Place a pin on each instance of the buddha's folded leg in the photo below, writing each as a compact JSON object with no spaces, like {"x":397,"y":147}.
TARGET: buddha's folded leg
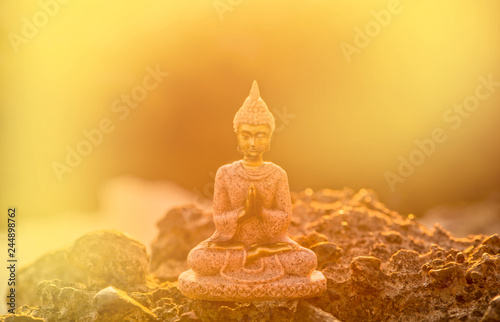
{"x":206,"y":261}
{"x":300,"y":262}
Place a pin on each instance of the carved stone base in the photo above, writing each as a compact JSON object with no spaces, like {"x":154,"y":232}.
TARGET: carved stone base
{"x":216,"y":288}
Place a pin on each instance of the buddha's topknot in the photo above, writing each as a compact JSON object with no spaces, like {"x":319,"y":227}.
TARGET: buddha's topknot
{"x":254,"y":111}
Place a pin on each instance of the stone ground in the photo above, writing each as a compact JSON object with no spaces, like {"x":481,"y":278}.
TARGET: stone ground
{"x":380,"y":266}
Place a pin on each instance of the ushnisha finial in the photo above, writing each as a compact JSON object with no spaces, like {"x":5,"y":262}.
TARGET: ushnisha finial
{"x":254,"y":111}
{"x":254,"y":92}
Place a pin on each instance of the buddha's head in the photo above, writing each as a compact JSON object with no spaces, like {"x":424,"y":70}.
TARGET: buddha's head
{"x":254,"y":125}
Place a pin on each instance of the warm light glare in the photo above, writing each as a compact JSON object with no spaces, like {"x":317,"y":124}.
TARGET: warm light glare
{"x":398,"y":96}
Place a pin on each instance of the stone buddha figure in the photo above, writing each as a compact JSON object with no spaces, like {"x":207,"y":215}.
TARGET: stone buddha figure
{"x":250,"y":256}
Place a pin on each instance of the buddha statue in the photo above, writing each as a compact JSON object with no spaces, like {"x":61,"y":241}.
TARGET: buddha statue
{"x":250,"y":256}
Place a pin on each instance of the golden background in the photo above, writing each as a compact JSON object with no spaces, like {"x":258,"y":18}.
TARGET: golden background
{"x":344,"y":119}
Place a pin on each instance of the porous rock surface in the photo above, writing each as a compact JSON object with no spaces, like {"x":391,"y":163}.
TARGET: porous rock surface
{"x":179,"y":232}
{"x":379,"y":265}
{"x":95,"y":260}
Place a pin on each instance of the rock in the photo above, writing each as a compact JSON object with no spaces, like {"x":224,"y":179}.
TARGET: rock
{"x":307,"y":312}
{"x":62,"y":301}
{"x":48,"y":291}
{"x":405,"y":261}
{"x":110,"y":258}
{"x":366,"y":274}
{"x":392,"y":237}
{"x":493,"y":312}
{"x":50,"y":266}
{"x":180,"y":230}
{"x":167,"y":290}
{"x":189,"y":316}
{"x":96,"y":259}
{"x":446,"y":274}
{"x":74,"y":304}
{"x":141,"y":298}
{"x":429,"y":275}
{"x":437,"y":262}
{"x":166,"y":309}
{"x":310,"y":239}
{"x":487,"y":267}
{"x":327,"y":253}
{"x":21,"y":318}
{"x":493,"y":242}
{"x":265,"y":311}
{"x":115,"y":305}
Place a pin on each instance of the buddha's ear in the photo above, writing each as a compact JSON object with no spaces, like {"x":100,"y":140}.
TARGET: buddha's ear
{"x":271,"y":132}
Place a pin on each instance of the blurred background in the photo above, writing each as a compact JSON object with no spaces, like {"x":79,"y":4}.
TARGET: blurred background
{"x":114,"y":111}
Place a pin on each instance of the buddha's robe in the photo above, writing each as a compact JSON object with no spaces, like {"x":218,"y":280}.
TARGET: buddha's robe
{"x":266,"y":236}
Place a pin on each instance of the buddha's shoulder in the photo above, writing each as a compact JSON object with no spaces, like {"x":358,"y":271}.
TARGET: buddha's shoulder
{"x":226,"y":168}
{"x":277,"y":169}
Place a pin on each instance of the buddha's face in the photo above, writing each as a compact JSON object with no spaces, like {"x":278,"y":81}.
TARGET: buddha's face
{"x":254,"y":140}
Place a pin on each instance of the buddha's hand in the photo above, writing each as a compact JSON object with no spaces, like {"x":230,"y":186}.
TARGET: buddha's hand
{"x":252,"y":207}
{"x":255,"y":202}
